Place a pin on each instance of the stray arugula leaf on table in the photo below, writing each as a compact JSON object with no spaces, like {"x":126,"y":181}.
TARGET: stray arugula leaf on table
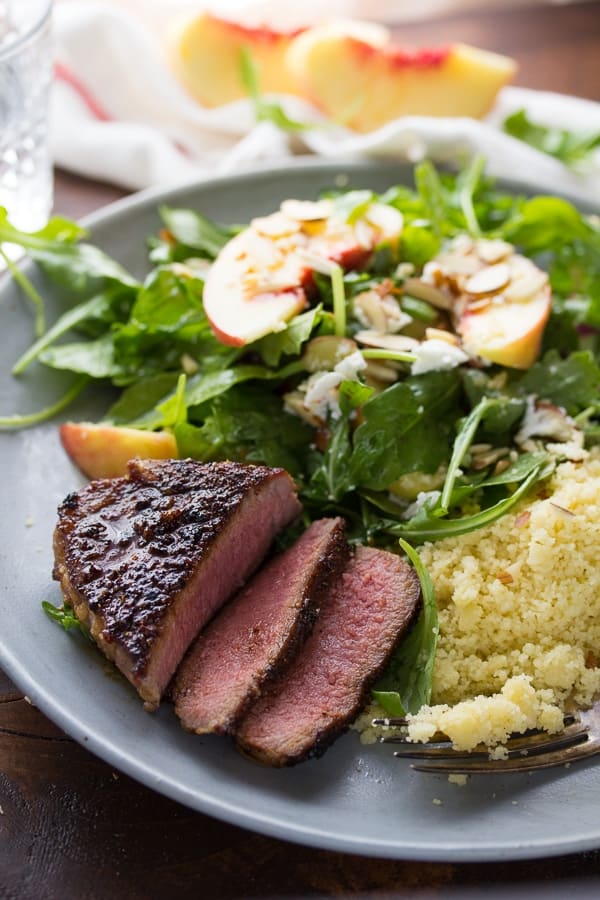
{"x":265,"y":110}
{"x":571,"y":147}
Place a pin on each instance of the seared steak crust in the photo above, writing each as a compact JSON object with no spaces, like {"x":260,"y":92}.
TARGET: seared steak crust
{"x":364,"y":616}
{"x":259,"y":631}
{"x":128,"y":553}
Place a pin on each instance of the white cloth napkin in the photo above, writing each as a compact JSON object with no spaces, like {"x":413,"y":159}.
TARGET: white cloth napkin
{"x":119,"y":115}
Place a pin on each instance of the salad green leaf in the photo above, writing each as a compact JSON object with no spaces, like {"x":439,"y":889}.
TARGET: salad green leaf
{"x":195,"y":232}
{"x":63,"y":616}
{"x":407,"y":428}
{"x":264,"y":110}
{"x":406,"y":685}
{"x":571,"y":147}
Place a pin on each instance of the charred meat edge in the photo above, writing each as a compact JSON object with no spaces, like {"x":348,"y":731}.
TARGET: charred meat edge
{"x":149,"y":660}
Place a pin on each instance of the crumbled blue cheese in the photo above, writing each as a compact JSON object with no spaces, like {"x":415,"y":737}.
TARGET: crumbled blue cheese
{"x":321,"y":397}
{"x":544,"y":420}
{"x":435,"y":355}
{"x":350,"y":366}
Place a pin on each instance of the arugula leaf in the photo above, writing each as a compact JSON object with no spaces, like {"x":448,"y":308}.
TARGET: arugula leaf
{"x":431,"y":192}
{"x":168,"y":301}
{"x":264,"y":110}
{"x":203,"y":387}
{"x":63,"y":616}
{"x":406,"y":685}
{"x":545,"y":224}
{"x":407,"y":428}
{"x":194,"y":231}
{"x":94,"y":358}
{"x":573,"y":383}
{"x":427,"y":526}
{"x":137,"y":406}
{"x":80,"y":267}
{"x":29,"y":290}
{"x":519,"y":470}
{"x":332,"y":479}
{"x":289,"y":341}
{"x":58,"y":230}
{"x":467,"y":183}
{"x":571,"y":147}
{"x":247,"y":424}
{"x":174,"y":409}
{"x":418,"y":245}
{"x":101,"y":307}
{"x":462,"y":442}
{"x":166,"y":321}
{"x":25,"y":420}
{"x":351,"y":205}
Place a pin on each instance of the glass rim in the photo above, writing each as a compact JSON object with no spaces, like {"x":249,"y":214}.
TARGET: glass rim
{"x":29,"y":32}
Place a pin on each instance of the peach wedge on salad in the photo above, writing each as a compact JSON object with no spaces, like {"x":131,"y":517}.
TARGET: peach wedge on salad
{"x":264,"y":275}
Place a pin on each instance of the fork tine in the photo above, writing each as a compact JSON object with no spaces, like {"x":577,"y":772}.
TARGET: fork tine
{"x":518,"y":764}
{"x":517,"y":747}
{"x":401,"y":722}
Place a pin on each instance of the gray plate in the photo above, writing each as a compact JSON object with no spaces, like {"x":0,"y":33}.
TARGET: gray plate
{"x":356,"y":798}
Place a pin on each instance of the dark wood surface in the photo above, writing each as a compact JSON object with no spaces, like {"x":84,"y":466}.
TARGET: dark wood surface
{"x":71,"y":828}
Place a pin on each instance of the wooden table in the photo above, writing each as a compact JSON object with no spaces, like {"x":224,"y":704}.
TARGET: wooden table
{"x":71,"y":828}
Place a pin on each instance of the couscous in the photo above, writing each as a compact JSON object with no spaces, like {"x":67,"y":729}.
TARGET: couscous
{"x":519,"y":619}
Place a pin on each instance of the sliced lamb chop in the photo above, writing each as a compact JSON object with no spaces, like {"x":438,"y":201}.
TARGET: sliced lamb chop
{"x":365,"y":614}
{"x":258,"y":632}
{"x":146,"y":560}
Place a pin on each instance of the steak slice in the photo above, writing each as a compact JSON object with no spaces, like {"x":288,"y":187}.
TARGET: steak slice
{"x":259,"y":631}
{"x":146,"y":560}
{"x":365,"y":614}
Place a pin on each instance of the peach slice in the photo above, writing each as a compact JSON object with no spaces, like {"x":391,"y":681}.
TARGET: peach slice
{"x":264,"y":275}
{"x":364,"y":85}
{"x":204,"y":52}
{"x":505,"y":332}
{"x":103,"y":451}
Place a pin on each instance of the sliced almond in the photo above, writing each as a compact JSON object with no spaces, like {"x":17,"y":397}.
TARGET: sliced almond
{"x":493,"y":251}
{"x":379,"y":371}
{"x":488,"y":280}
{"x":440,"y":334}
{"x":423,"y":291}
{"x":364,"y":234}
{"x":306,"y":210}
{"x":387,"y":219}
{"x":276,"y":225}
{"x":294,"y":403}
{"x":462,"y":244}
{"x":404,"y":270}
{"x":454,"y":264}
{"x":369,"y":311}
{"x":525,"y":283}
{"x":189,"y":365}
{"x":318,"y":263}
{"x":399,"y":342}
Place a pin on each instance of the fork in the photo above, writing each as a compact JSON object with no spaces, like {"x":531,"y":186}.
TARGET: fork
{"x":527,"y":752}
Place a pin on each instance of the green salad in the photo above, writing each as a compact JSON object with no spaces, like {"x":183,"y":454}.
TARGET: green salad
{"x":419,"y":388}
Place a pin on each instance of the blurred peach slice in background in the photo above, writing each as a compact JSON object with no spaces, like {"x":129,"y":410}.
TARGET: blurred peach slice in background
{"x":364,"y":86}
